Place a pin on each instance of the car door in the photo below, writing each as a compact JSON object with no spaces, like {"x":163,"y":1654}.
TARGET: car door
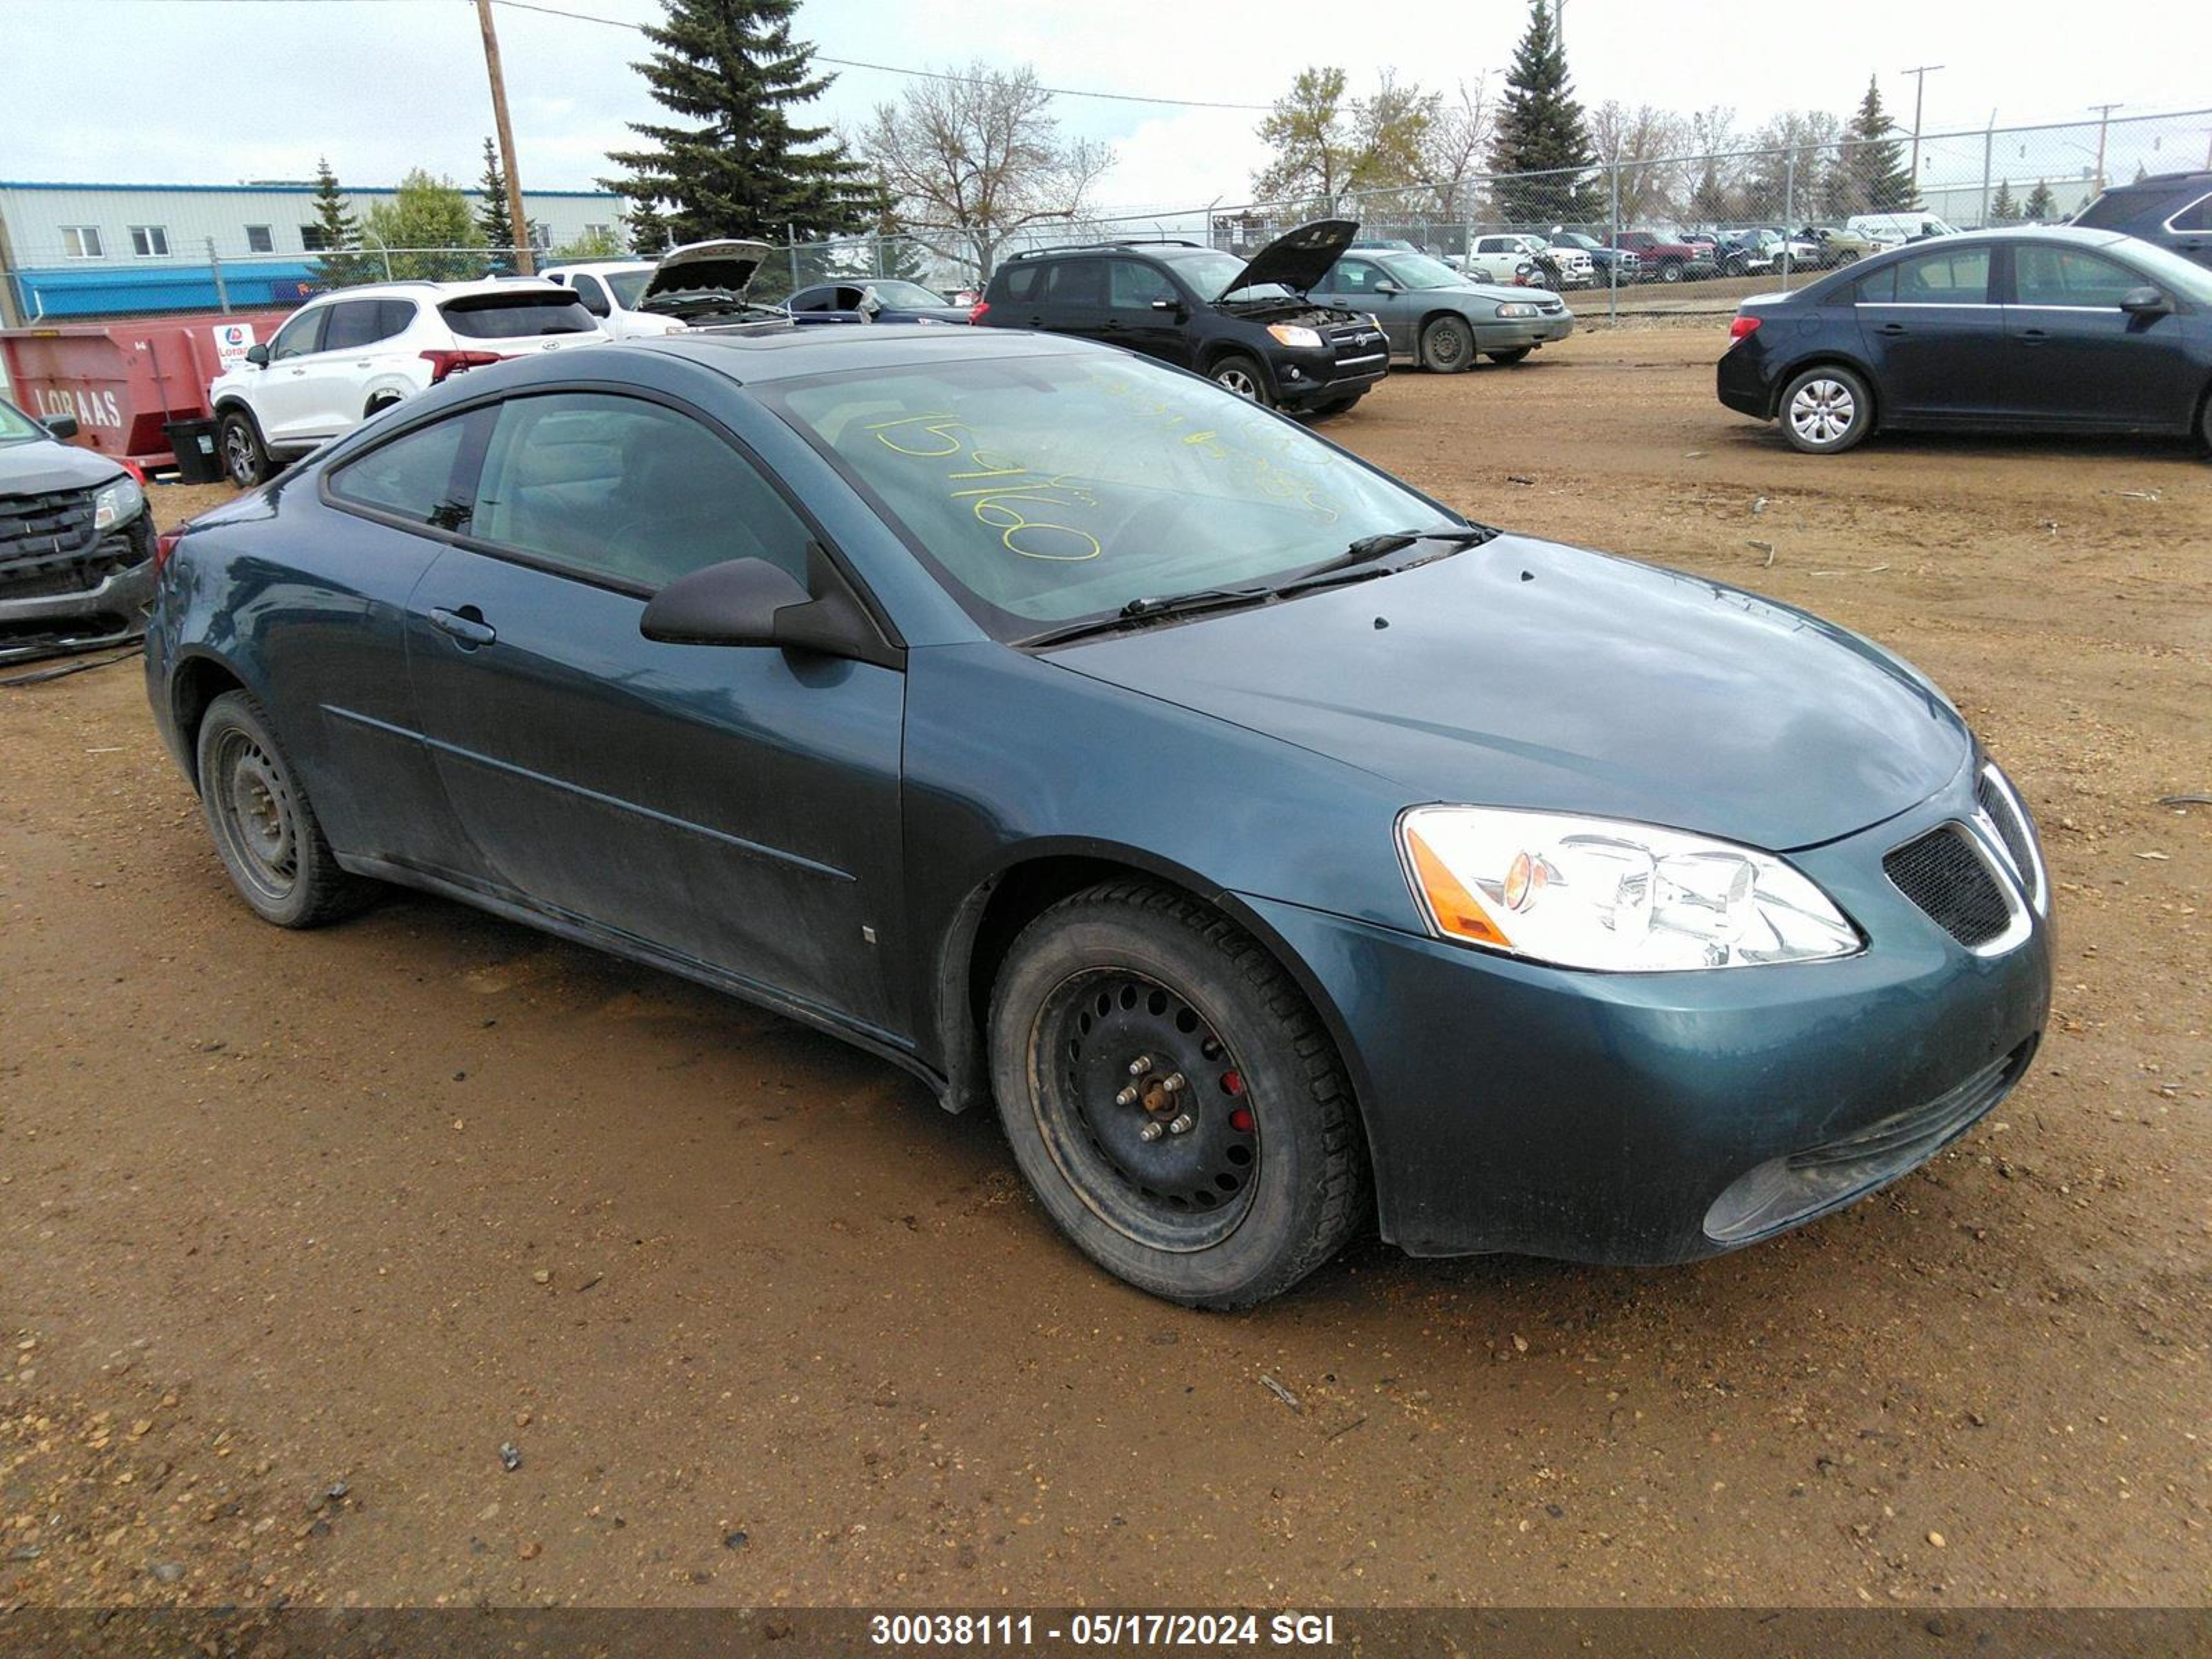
{"x":1146,"y":312}
{"x":735,"y":808}
{"x":360,"y":350}
{"x":2075,"y":358}
{"x":592,"y":294}
{"x":283,"y":394}
{"x":1934,"y":339}
{"x":1073,"y":298}
{"x":1357,"y":284}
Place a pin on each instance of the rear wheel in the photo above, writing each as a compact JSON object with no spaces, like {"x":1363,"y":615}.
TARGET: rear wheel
{"x":265,"y":830}
{"x":1448,"y":345}
{"x":1825,"y":411}
{"x":1172,"y":1098}
{"x":245,"y":458}
{"x":1240,"y":374}
{"x":1509,"y":358}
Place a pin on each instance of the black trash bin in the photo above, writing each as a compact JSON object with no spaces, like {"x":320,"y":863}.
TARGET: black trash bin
{"x":199,"y":459}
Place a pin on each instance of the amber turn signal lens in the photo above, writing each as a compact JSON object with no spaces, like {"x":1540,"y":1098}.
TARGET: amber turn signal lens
{"x":1458,"y":913}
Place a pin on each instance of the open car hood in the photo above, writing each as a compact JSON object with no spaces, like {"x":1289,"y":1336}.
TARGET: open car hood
{"x":702,"y":273}
{"x":1297,"y":259}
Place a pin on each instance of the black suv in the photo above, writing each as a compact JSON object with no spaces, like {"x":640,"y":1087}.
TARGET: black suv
{"x":1246,"y":324}
{"x":2173,"y":209}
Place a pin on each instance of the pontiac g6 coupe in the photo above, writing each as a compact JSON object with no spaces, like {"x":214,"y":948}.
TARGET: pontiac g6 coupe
{"x":1281,"y":853}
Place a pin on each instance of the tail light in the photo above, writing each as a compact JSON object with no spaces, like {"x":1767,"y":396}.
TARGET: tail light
{"x":165,"y":544}
{"x":443,"y":363}
{"x":976,"y":315}
{"x":1743,"y":328}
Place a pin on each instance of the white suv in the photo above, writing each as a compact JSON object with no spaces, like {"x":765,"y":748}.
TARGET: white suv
{"x":610,"y":292}
{"x":346,"y":356}
{"x":1558,"y":265}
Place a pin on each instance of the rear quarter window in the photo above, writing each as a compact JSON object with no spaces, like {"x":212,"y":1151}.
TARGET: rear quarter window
{"x":423,"y":478}
{"x":1021,"y":280}
{"x":515,"y":316}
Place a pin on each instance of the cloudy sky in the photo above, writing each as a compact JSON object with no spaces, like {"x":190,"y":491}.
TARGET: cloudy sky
{"x":216,"y":91}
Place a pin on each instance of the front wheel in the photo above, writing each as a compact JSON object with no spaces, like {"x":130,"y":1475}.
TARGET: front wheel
{"x":1448,"y":345}
{"x":1333,"y":406}
{"x":245,"y":458}
{"x":1825,"y":411}
{"x":1241,"y":375}
{"x":1172,"y":1099}
{"x":1670,"y":272}
{"x":1507,"y":358}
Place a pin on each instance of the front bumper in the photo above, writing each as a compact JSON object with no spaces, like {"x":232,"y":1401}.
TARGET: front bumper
{"x":1513,"y":333}
{"x":111,"y":612}
{"x":1628,"y":1117}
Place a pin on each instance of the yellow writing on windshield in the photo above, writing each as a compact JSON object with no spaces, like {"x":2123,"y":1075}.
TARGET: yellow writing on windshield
{"x":1003,"y":491}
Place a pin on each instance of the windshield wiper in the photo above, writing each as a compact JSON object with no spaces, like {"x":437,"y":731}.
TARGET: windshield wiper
{"x":1368,"y":549}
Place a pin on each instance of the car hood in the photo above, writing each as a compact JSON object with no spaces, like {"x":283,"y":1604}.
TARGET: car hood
{"x":1297,"y":259}
{"x":1495,"y":292}
{"x":44,"y":464}
{"x":718,"y":267}
{"x":1523,"y":673}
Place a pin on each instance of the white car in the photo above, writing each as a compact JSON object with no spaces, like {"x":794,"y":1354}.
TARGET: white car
{"x":349,"y":355}
{"x":1896,"y":229}
{"x":1556,"y":265}
{"x":610,"y":291}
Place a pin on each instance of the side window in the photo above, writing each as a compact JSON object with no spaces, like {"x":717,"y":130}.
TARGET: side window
{"x":1960,"y":278}
{"x":422,"y":478}
{"x":2068,"y":277}
{"x":353,"y":324}
{"x":2197,"y":216}
{"x":1132,"y":285}
{"x":302,"y":335}
{"x":627,"y":492}
{"x":1876,"y":288}
{"x":594,"y":296}
{"x":1359,"y":276}
{"x":809,"y":299}
{"x":394,"y":317}
{"x":1021,"y":282}
{"x":1079,"y":284}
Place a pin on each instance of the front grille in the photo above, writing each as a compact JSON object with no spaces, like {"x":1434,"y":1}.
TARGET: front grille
{"x":34,"y":526}
{"x":1944,"y":875}
{"x":2011,"y":827}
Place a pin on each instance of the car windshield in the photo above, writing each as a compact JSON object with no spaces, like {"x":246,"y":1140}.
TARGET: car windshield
{"x":1043,"y":490}
{"x":1210,"y":272}
{"x":1418,"y":271}
{"x":628,"y":286}
{"x":1575,"y":238}
{"x":16,"y":426}
{"x":906,"y":296}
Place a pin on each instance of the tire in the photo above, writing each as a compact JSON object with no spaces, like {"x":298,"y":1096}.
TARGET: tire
{"x":264,"y":829}
{"x":1825,"y":411}
{"x":1334,"y":407}
{"x":1447,"y":346}
{"x":1507,"y":359}
{"x":378,"y":404}
{"x":1850,"y":256}
{"x":2204,"y":423}
{"x":1238,"y":374}
{"x":245,"y":460}
{"x":1671,"y":272}
{"x":1267,"y":1179}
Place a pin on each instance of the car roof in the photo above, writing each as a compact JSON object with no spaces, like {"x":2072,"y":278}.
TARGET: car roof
{"x":425,"y":291}
{"x":791,"y":354}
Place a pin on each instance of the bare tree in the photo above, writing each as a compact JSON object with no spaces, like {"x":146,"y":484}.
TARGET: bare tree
{"x":970,"y":161}
{"x":1646,"y":141}
{"x":1455,"y":145}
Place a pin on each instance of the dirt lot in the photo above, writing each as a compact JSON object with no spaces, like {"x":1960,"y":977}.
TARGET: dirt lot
{"x":361,"y":1206}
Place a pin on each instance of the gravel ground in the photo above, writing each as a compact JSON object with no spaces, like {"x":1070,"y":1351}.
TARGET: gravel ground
{"x":298,"y":1231}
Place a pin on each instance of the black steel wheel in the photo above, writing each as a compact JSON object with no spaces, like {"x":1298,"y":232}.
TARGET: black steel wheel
{"x":245,"y":460}
{"x":264,"y":830}
{"x":1172,"y":1099}
{"x":1448,"y":345}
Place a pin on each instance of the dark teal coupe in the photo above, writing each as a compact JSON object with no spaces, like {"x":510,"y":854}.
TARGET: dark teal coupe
{"x":1281,"y":853}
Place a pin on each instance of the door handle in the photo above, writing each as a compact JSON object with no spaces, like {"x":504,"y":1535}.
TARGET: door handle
{"x":365,"y":363}
{"x":1891,"y":329}
{"x":2033,"y":337}
{"x":465,"y":626}
{"x":1037,"y":319}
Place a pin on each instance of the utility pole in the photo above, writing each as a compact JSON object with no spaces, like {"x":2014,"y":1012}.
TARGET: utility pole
{"x":1559,"y":23}
{"x":1919,"y":89}
{"x":2103,"y":119}
{"x":526,"y":256}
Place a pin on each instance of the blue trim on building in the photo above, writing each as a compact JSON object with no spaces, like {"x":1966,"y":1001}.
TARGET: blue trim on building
{"x":282,"y":189}
{"x":94,"y":293}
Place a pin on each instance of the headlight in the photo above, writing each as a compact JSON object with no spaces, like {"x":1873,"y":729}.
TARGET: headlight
{"x":1290,"y":334}
{"x":1516,"y":308}
{"x":116,"y":503}
{"x":1599,"y":893}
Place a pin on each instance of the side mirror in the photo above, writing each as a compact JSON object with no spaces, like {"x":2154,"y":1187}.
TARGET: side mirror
{"x":1166,"y":304}
{"x":60,"y":426}
{"x":2145,"y":301}
{"x":1388,"y":289}
{"x":753,"y":603}
{"x":258,"y":355}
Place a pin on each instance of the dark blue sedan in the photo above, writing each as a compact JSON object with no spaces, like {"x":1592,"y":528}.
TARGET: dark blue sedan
{"x":1281,"y":854}
{"x":2052,"y":330}
{"x":877,"y":300}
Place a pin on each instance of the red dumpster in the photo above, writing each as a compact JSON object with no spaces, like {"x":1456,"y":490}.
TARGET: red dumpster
{"x":124,"y":381}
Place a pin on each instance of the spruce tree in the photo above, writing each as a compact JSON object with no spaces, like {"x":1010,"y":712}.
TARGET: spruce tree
{"x":1540,"y":131}
{"x":493,"y":217}
{"x":646,"y":231}
{"x":742,"y":166}
{"x":2003,"y":210}
{"x":1875,"y":162}
{"x":2041,"y":207}
{"x":340,"y":231}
